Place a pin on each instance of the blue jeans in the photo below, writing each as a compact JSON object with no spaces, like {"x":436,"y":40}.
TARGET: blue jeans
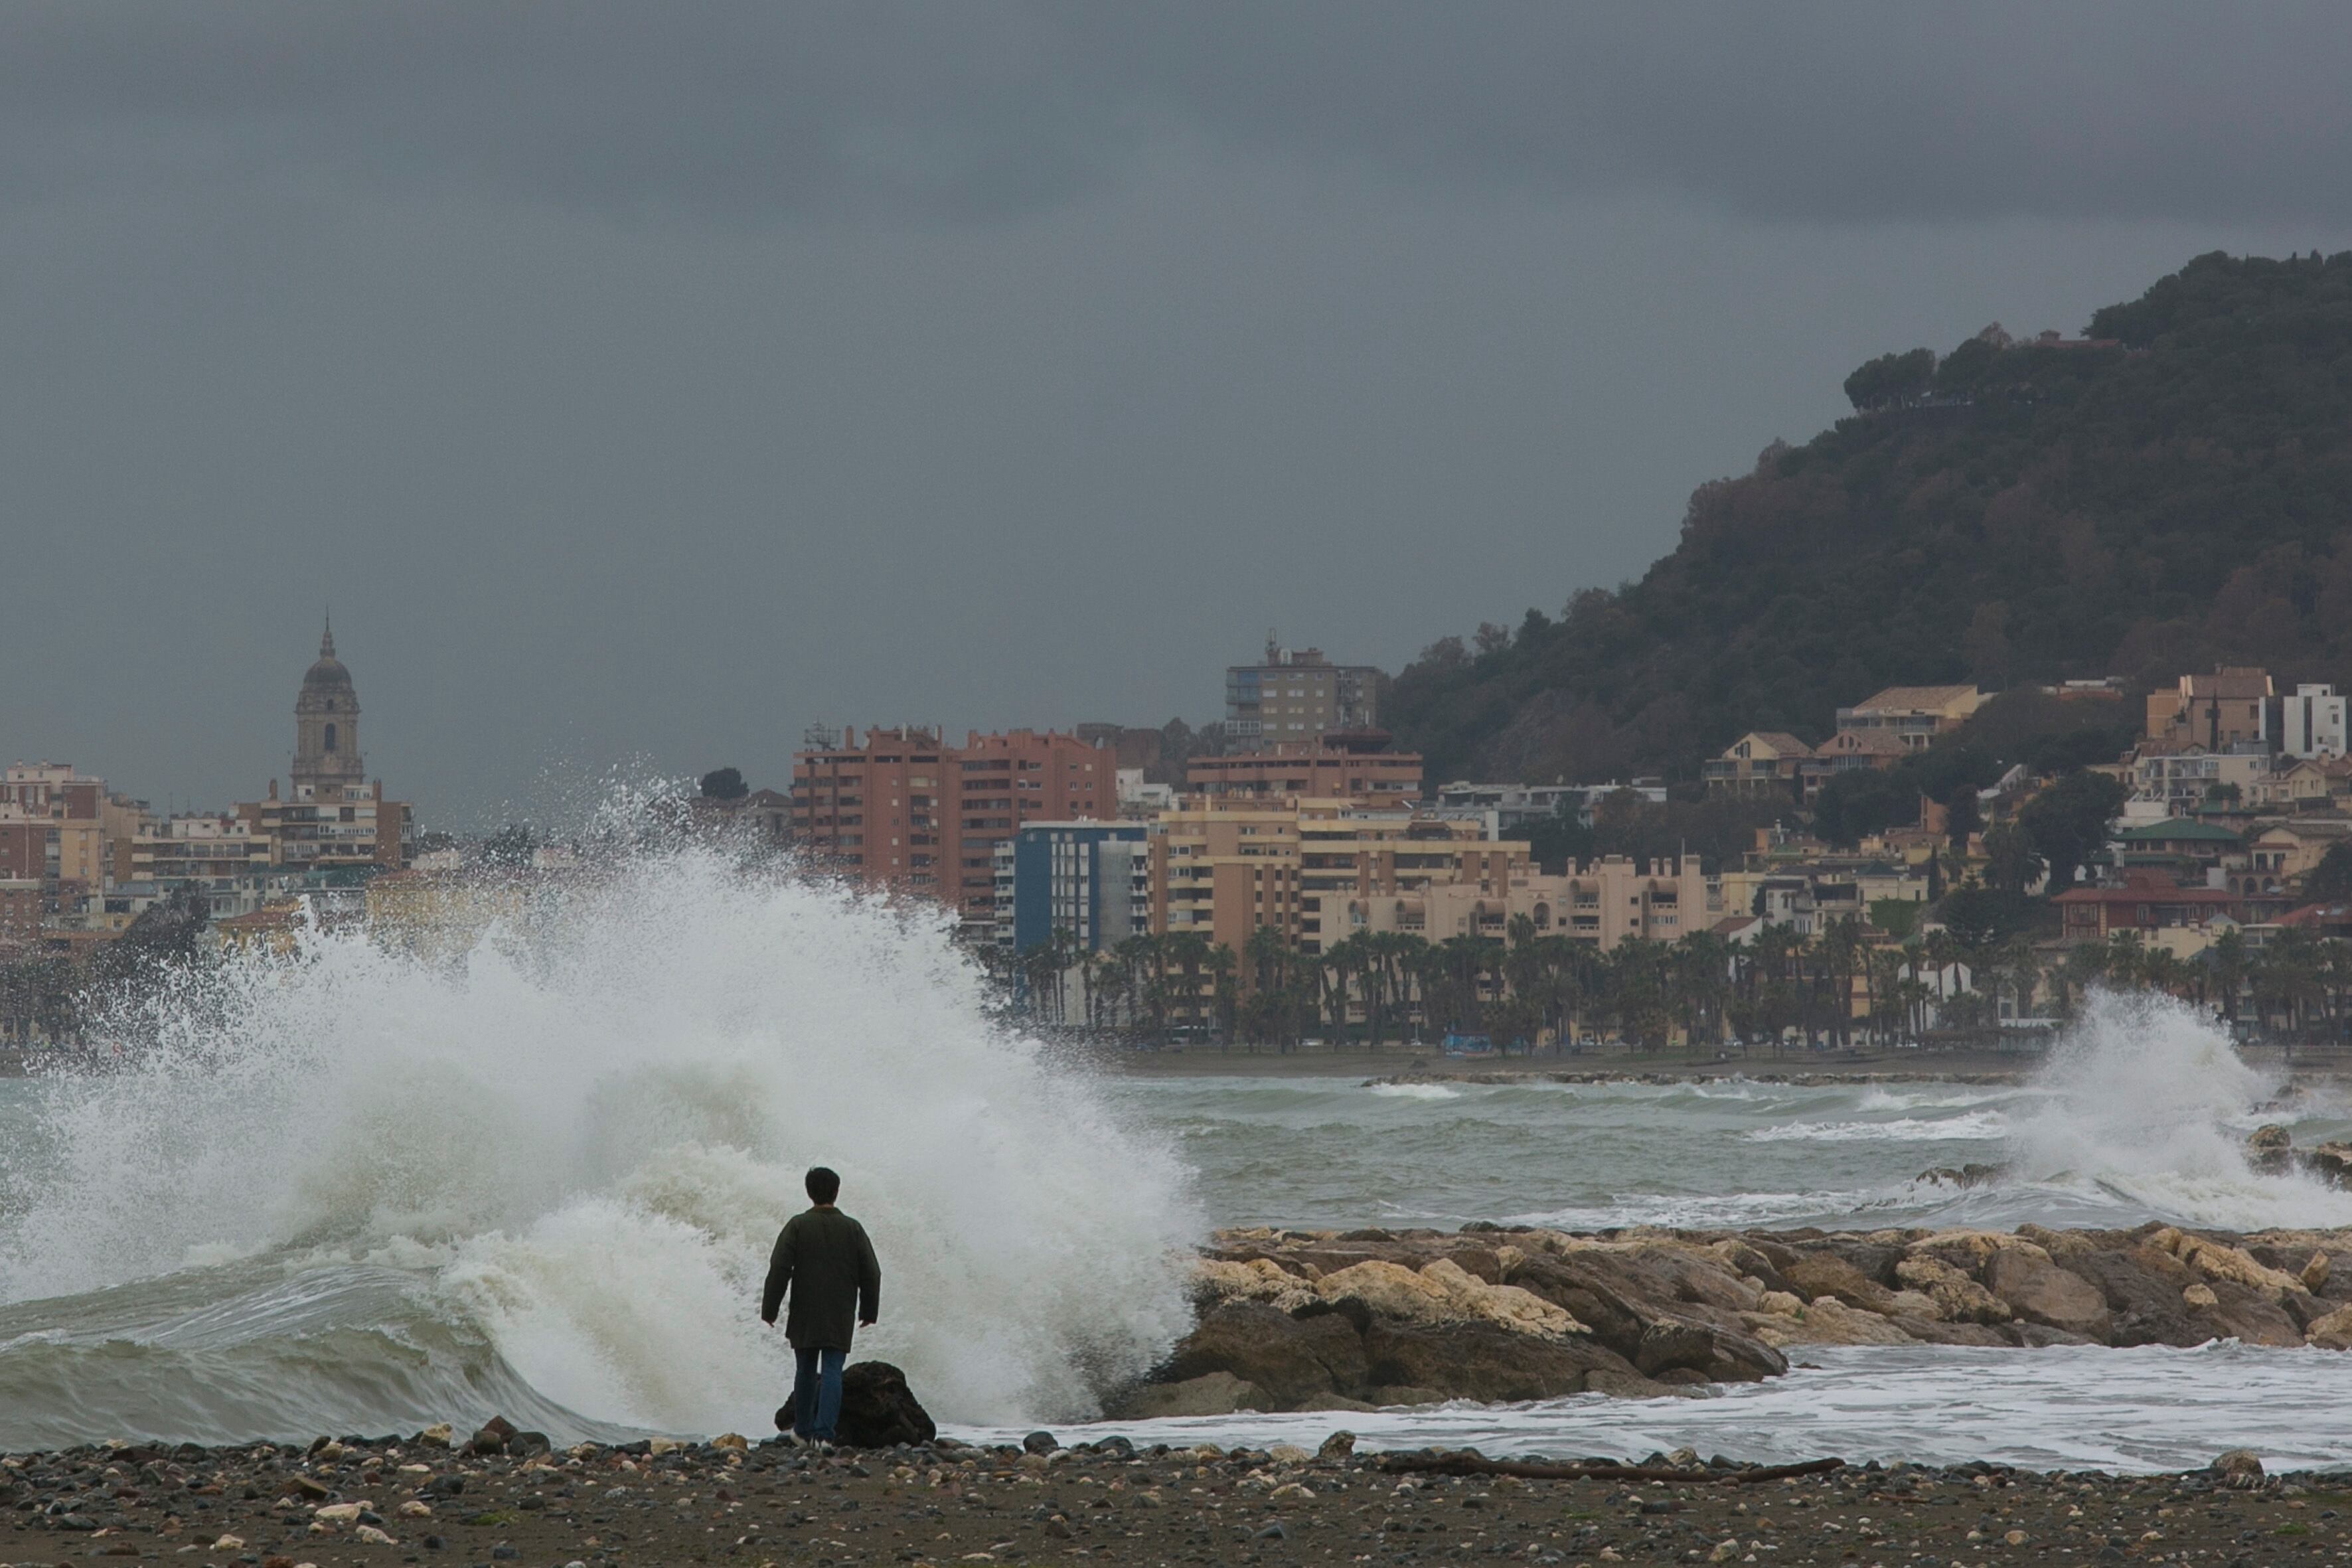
{"x":816,"y":1392}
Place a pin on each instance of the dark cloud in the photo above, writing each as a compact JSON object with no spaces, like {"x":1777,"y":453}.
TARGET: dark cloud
{"x":648,"y":382}
{"x":1855,"y":111}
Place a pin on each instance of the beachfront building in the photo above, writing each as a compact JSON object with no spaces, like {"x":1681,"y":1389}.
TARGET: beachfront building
{"x":1089,"y":880}
{"x":901,"y":809}
{"x":1510,"y":807}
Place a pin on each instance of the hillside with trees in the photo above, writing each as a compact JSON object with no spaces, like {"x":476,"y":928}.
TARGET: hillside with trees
{"x":2172,"y":491}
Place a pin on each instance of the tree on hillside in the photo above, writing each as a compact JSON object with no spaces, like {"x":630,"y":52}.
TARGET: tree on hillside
{"x":1893,"y":381}
{"x":1854,"y":805}
{"x":2179,"y":500}
{"x":2066,"y":823}
{"x":2330,"y":881}
{"x":1962,"y":817}
{"x":724,"y":784}
{"x":2012,"y":862}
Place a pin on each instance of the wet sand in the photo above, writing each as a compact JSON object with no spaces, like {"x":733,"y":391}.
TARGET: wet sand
{"x":279,"y":1508}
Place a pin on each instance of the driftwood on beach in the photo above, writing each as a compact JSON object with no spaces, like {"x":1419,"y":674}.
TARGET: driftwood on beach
{"x":1293,"y":1319}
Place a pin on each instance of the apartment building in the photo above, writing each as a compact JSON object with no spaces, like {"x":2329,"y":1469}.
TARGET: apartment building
{"x":2174,"y":778}
{"x":2227,"y":708}
{"x":350,"y":826}
{"x":198,"y":851}
{"x":2312,"y":722}
{"x":899,"y":808}
{"x":1092,"y":879}
{"x":1309,"y":772}
{"x":1297,"y":695}
{"x":1222,"y":867}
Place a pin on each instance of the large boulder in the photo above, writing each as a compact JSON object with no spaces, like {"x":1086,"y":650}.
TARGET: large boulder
{"x":2217,"y":1260}
{"x":877,"y":1409}
{"x":1484,"y":1360}
{"x":1669,"y":1345}
{"x":2332,"y":1333}
{"x":1290,"y":1359}
{"x":1958,"y":1298}
{"x":1826,"y":1320}
{"x":1441,"y":1291}
{"x":1819,"y":1274}
{"x":2236,"y":1312}
{"x":2143,"y":1290}
{"x":2038,"y":1290}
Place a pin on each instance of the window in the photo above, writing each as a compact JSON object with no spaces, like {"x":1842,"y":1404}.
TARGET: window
{"x":330,"y":737}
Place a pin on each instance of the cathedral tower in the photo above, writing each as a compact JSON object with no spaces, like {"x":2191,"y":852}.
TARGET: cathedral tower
{"x":327,"y":729}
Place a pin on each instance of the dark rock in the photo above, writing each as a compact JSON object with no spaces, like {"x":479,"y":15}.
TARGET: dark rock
{"x":2241,"y":1314}
{"x":1673,"y":1344}
{"x":1040,"y":1443}
{"x":522,"y":1445}
{"x":2330,"y":1162}
{"x":878,"y":1408}
{"x":493,"y":1436}
{"x":1291,"y":1359}
{"x":1485,"y":1362}
{"x":2269,"y":1150}
{"x":1352,"y":1308}
{"x":2142,"y":1287}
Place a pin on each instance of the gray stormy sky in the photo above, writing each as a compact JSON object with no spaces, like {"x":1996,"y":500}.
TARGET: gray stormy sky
{"x":640,"y":383}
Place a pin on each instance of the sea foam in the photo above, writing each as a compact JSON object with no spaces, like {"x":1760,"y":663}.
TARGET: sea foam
{"x":579,"y":1137}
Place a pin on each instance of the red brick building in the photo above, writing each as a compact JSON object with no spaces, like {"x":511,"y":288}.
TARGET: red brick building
{"x":898,"y":808}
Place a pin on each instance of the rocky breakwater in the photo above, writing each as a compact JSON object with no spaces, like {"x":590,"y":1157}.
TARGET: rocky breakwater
{"x":1296,"y":1319}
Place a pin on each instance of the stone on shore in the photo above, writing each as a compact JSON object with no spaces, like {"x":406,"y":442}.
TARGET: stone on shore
{"x":878,"y":1410}
{"x":2038,"y":1290}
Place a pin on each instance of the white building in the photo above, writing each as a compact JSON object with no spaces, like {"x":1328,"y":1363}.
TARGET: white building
{"x":2312,"y":722}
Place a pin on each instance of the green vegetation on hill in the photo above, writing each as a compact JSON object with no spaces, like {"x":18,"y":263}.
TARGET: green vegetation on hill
{"x":2174,"y":493}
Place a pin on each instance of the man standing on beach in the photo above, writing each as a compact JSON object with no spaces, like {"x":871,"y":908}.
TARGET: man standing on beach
{"x":824,"y":1258}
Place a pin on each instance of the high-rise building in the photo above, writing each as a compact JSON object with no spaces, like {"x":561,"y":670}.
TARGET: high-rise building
{"x":1092,"y":879}
{"x":1297,"y":695}
{"x":899,"y":808}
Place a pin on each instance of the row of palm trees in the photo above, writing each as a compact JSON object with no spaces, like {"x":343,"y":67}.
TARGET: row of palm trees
{"x":1842,"y":986}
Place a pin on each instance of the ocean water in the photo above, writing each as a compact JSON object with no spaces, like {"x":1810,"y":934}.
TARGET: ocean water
{"x":357,"y":1191}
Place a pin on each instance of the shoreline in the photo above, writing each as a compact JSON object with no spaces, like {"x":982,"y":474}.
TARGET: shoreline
{"x":1402,"y":1064}
{"x":386,"y":1501}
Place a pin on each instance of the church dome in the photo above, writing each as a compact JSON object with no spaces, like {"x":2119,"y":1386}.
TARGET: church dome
{"x":327,"y":674}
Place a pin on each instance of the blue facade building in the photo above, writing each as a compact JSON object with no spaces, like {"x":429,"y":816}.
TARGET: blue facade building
{"x":1092,"y":879}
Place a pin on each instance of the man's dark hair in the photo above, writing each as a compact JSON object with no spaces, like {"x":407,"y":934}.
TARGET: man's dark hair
{"x":824,"y":1185}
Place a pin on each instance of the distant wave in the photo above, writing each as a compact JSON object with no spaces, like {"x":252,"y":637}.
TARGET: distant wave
{"x":1978,"y":1126}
